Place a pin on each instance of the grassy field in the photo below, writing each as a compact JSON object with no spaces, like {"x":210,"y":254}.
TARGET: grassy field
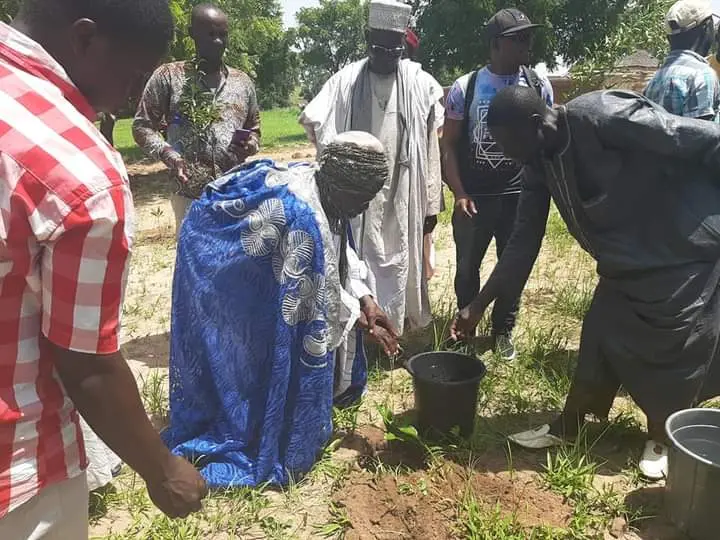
{"x":280,"y":129}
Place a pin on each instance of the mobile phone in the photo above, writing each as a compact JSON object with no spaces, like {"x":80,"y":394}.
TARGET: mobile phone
{"x":240,"y":136}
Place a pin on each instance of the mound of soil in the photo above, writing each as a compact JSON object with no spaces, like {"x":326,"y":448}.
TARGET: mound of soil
{"x":379,"y":508}
{"x":418,"y":506}
{"x":370,"y":444}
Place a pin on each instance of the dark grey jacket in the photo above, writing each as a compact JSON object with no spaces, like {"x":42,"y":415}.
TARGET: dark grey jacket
{"x":639,"y":189}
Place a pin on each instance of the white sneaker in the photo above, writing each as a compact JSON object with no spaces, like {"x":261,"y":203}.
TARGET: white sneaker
{"x":654,"y":462}
{"x":536,"y":439}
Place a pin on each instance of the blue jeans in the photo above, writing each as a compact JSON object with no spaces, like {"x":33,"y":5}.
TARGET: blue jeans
{"x":495,"y":218}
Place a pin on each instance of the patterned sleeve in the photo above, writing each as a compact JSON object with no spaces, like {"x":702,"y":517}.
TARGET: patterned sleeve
{"x":84,"y":271}
{"x":252,"y":121}
{"x":153,"y":107}
{"x":455,"y":102}
{"x":700,"y":98}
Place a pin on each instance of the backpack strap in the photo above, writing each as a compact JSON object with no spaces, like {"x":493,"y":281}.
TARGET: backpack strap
{"x":533,"y":79}
{"x":469,"y":97}
{"x":464,"y":146}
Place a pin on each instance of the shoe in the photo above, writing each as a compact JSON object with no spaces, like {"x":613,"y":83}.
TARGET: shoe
{"x":536,"y":439}
{"x":504,"y":347}
{"x":654,"y":461}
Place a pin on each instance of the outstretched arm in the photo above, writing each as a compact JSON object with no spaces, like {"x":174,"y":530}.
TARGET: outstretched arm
{"x":513,"y":269}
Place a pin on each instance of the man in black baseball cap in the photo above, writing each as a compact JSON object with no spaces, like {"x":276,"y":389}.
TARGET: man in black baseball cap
{"x":485,"y":183}
{"x":507,"y":22}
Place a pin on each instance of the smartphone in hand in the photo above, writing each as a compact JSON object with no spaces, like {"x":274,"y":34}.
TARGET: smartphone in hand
{"x":241,"y":136}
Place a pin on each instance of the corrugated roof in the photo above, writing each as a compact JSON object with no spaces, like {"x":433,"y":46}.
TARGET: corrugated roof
{"x":639,"y":59}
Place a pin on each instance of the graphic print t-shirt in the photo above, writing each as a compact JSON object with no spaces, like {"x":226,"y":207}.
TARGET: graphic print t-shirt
{"x":486,"y":170}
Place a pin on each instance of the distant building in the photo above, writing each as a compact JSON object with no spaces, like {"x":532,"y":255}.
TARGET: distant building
{"x":632,"y":72}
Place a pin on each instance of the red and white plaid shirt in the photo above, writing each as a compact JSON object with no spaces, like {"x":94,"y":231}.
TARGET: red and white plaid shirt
{"x":65,"y":233}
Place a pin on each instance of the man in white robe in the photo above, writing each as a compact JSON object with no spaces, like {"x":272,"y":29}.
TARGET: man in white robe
{"x":399,"y":103}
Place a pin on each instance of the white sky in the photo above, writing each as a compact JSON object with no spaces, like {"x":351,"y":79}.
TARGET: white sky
{"x":290,"y":7}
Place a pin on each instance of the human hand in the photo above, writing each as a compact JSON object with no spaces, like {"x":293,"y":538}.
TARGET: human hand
{"x":245,"y":149}
{"x":177,"y":171}
{"x":375,"y":317}
{"x":466,"y":322}
{"x":178,"y":490}
{"x":466,"y":205}
{"x":384,"y":339}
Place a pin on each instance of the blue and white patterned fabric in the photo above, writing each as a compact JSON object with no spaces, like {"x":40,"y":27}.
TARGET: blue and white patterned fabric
{"x":686,"y":85}
{"x":256,"y":318}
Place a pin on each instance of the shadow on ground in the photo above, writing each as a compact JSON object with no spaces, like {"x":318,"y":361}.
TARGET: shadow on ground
{"x":148,"y":183}
{"x":652,"y":522}
{"x":153,"y":351}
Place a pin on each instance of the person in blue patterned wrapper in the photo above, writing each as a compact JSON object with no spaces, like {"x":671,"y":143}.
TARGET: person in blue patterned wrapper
{"x":270,"y":303}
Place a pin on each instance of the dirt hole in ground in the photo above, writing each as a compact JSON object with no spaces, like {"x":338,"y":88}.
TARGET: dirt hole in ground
{"x":423,"y":504}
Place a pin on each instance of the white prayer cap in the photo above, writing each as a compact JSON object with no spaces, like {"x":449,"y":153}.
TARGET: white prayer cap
{"x":686,"y":15}
{"x":361,"y":139}
{"x":389,"y":15}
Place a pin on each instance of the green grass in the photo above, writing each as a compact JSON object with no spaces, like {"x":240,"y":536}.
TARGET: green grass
{"x":280,"y":128}
{"x":477,"y":523}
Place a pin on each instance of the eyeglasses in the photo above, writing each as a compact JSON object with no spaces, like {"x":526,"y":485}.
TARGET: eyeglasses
{"x":394,"y":51}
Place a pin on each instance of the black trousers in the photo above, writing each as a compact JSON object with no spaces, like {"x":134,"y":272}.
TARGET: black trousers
{"x":495,"y":219}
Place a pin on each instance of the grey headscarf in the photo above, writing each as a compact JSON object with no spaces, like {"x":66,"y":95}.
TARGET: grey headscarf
{"x":353,"y":169}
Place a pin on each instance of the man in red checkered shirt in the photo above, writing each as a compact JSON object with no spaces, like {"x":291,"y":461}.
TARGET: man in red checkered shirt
{"x":66,"y":220}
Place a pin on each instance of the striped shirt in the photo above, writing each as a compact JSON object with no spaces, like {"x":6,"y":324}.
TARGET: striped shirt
{"x":65,"y":235}
{"x":686,"y":85}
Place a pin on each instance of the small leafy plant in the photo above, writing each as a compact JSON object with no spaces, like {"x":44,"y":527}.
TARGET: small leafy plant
{"x":198,"y":108}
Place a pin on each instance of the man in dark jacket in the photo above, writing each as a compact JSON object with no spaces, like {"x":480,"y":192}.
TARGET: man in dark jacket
{"x":638,"y":189}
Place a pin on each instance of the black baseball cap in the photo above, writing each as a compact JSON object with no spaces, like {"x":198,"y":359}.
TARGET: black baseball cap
{"x":507,"y":22}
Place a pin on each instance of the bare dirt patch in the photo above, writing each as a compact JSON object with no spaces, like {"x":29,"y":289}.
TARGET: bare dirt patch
{"x":421,"y":505}
{"x":418,"y":503}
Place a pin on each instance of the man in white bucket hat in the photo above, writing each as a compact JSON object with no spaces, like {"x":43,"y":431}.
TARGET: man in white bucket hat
{"x":399,"y":103}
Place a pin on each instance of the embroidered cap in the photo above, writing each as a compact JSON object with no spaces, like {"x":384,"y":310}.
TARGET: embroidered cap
{"x":389,"y":15}
{"x":686,"y":15}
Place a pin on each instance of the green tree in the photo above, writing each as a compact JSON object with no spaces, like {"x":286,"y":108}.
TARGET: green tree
{"x":330,"y":37}
{"x":453,"y":31}
{"x":278,"y":72}
{"x":8,"y":9}
{"x":640,"y":26}
{"x":258,"y":45}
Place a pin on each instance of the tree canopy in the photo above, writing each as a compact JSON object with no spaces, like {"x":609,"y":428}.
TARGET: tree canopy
{"x":8,"y":9}
{"x":590,"y":34}
{"x":258,"y":45}
{"x":330,"y":37}
{"x":453,"y":38}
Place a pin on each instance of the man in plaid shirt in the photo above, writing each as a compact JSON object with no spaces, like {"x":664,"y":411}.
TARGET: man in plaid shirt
{"x":686,"y":84}
{"x":66,"y":220}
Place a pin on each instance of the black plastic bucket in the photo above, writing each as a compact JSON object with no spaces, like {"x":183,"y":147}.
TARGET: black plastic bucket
{"x":693,"y":485}
{"x":446,"y":392}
